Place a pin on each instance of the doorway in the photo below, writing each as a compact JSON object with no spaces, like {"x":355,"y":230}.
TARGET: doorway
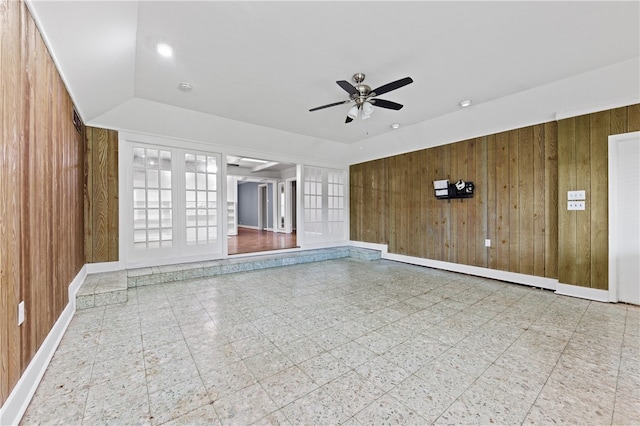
{"x":624,"y":218}
{"x":254,"y":213}
{"x":263,"y":211}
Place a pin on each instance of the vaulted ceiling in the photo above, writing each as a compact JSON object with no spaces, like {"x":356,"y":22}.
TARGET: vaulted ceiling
{"x":267,"y":63}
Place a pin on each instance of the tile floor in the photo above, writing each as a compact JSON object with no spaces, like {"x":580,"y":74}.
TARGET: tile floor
{"x":345,"y":342}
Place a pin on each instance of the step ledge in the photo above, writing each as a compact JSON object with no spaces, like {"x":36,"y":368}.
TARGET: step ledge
{"x":109,"y":288}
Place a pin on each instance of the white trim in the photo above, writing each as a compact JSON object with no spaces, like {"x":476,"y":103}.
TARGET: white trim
{"x":613,"y":216}
{"x":176,"y":260}
{"x":373,"y":246}
{"x":325,"y":244}
{"x":583,"y":292}
{"x":282,"y":210}
{"x":589,"y":109}
{"x":75,"y":286}
{"x":186,"y":142}
{"x":21,"y":395}
{"x":613,"y":223}
{"x":123,"y":217}
{"x":265,"y":253}
{"x":248,"y":227}
{"x":97,"y":268}
{"x":300,"y":239}
{"x":546,"y":283}
{"x":263,"y":200}
{"x":180,"y":251}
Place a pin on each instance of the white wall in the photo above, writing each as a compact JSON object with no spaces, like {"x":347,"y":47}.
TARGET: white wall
{"x":229,"y":136}
{"x":602,"y":89}
{"x":610,"y":87}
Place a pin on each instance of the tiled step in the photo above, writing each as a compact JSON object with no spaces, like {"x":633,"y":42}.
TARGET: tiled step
{"x":106,"y":288}
{"x":111,"y":287}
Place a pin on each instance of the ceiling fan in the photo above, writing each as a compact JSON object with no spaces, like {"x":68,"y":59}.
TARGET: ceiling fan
{"x":365,"y":98}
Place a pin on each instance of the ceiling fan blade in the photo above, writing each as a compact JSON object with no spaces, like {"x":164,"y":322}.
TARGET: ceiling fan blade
{"x":392,"y":86}
{"x":329,"y":105}
{"x":348,"y":120}
{"x":386,"y":104}
{"x":348,"y":87}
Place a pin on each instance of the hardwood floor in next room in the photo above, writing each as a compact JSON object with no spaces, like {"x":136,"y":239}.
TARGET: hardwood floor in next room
{"x":254,"y":240}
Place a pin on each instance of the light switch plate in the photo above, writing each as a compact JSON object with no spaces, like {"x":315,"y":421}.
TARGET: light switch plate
{"x":20,"y":312}
{"x":487,"y":243}
{"x":575,"y":205}
{"x":576,"y":195}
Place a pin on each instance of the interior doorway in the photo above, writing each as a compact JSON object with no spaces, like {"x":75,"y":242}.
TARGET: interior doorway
{"x":256,"y":187}
{"x":624,"y":218}
{"x":263,"y":213}
{"x":293,"y":205}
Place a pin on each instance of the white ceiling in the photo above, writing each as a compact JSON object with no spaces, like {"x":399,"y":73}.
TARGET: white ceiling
{"x":267,"y":63}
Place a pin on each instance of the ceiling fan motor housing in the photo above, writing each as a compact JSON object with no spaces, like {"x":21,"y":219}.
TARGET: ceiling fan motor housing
{"x":363,"y":93}
{"x":358,"y":77}
{"x":364,"y":97}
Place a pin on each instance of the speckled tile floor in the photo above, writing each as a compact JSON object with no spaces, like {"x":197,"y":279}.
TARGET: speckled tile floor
{"x":345,"y":342}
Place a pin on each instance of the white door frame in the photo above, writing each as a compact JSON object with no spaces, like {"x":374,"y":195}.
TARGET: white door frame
{"x":288,"y":210}
{"x":614,"y":197}
{"x":262,"y":207}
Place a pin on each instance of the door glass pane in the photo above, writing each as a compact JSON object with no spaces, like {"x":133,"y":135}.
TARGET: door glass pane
{"x":151,"y":170}
{"x":200,"y":198}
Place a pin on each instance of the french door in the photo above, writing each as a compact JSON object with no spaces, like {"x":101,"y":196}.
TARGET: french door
{"x":325,"y":205}
{"x":172,"y":199}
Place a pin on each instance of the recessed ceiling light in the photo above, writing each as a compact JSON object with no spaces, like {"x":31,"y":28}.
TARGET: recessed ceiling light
{"x":395,"y":126}
{"x":464,"y":103}
{"x":185,"y":87}
{"x":163,"y":49}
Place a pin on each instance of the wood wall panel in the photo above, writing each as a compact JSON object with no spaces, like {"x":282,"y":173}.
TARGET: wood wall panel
{"x":101,"y":199}
{"x":513,"y":197}
{"x":525,"y":158}
{"x":41,"y":180}
{"x":10,"y":193}
{"x":501,"y":182}
{"x":480,"y":213}
{"x":633,"y":118}
{"x":566,"y":182}
{"x":583,"y":252}
{"x":538,"y":227}
{"x":492,"y":214}
{"x":583,"y":180}
{"x":513,"y":238}
{"x":551,"y":199}
{"x":594,"y":256}
{"x":356,"y":211}
{"x":521,"y":177}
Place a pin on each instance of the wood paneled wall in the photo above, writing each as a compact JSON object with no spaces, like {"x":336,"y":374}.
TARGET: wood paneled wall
{"x":393,"y":202}
{"x":519,"y":175}
{"x":101,"y":195}
{"x":583,"y":249}
{"x":41,"y":193}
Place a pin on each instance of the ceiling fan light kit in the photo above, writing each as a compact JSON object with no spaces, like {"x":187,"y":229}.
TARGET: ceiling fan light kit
{"x":365,"y":98}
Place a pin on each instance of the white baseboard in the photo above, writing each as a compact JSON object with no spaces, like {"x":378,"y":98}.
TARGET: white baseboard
{"x":541,"y":282}
{"x":21,"y":395}
{"x":321,"y":245}
{"x":97,"y":268}
{"x":373,"y":246}
{"x":248,"y":227}
{"x":583,"y":292}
